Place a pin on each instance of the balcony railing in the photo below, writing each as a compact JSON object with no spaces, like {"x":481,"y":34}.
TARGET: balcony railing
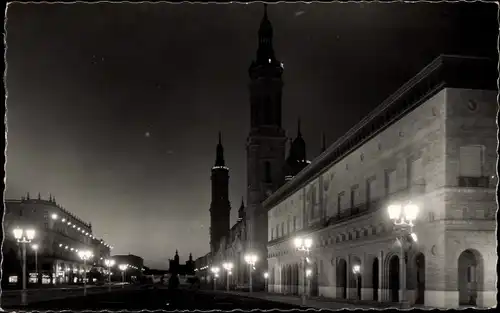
{"x":474,"y":182}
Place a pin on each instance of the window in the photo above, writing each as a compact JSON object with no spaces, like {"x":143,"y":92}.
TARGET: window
{"x":354,"y":196}
{"x":339,"y":202}
{"x":471,"y":274}
{"x":282,"y":228}
{"x":390,"y":182}
{"x":278,"y":231}
{"x":288,"y":227}
{"x":294,"y":223}
{"x":415,"y":172}
{"x":370,"y":189}
{"x":471,"y":161}
{"x":21,"y":212}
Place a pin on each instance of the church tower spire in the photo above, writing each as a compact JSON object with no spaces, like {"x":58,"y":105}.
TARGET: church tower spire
{"x":219,"y":160}
{"x":220,"y":208}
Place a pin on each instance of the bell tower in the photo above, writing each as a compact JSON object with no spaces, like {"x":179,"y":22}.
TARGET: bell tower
{"x":220,"y":208}
{"x":266,"y":141}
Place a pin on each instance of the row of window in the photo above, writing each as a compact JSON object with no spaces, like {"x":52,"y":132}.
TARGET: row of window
{"x":471,"y":165}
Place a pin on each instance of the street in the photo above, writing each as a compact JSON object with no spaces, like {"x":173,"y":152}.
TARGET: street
{"x":155,"y":299}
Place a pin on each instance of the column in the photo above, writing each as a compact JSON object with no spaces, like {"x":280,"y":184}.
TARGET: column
{"x":381,"y":281}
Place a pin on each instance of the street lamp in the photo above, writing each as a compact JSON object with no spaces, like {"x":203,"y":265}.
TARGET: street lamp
{"x":123,"y":268}
{"x":228,"y":266}
{"x":266,"y":276}
{"x":403,"y":217}
{"x":251,"y":259}
{"x":35,"y":248}
{"x":54,"y":216}
{"x":215,"y":271}
{"x":303,"y":245}
{"x":109,"y":263}
{"x":24,"y":237}
{"x":85,"y":255}
{"x":356,"y":270}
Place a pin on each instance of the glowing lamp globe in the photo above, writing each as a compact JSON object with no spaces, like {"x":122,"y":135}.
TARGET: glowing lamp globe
{"x":394,"y":211}
{"x":411,"y":211}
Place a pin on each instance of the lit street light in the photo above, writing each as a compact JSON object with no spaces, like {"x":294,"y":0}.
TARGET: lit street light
{"x":215,"y":271}
{"x":403,"y":217}
{"x":109,"y":263}
{"x":304,"y":245}
{"x":85,"y":255}
{"x":123,"y":268}
{"x":228,"y":266}
{"x":35,"y":248}
{"x":266,"y":276}
{"x":356,"y":270}
{"x":24,"y":237}
{"x":251,"y":259}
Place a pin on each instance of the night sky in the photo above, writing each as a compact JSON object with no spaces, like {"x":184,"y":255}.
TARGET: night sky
{"x":115,"y":108}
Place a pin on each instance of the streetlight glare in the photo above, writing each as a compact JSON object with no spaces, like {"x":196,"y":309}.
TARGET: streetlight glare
{"x":35,"y":247}
{"x":18,"y":233}
{"x":308,"y":272}
{"x":266,"y":275}
{"x":356,"y":269}
{"x":30,"y":234}
{"x":54,"y":216}
{"x":414,"y":237}
{"x":308,"y":242}
{"x":122,"y":267}
{"x":394,"y":211}
{"x":297,"y":242}
{"x":411,"y":211}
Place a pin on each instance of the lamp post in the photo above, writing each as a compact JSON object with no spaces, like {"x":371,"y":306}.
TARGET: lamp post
{"x":303,"y":245}
{"x":35,"y":248}
{"x":403,"y":217}
{"x":24,"y":237}
{"x":85,"y":255}
{"x":123,"y":268}
{"x":356,"y":270}
{"x":266,"y":276}
{"x":251,"y":259}
{"x":109,"y":263}
{"x":215,"y":271}
{"x":228,"y":266}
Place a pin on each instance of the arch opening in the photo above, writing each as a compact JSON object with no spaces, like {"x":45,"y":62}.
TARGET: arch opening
{"x":469,"y":276}
{"x":375,"y":282}
{"x":342,"y":278}
{"x":420,"y":267}
{"x":394,"y":278}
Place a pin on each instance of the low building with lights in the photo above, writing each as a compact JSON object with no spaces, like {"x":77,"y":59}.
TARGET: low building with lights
{"x":60,"y":235}
{"x":134,"y":267}
{"x":431,"y":144}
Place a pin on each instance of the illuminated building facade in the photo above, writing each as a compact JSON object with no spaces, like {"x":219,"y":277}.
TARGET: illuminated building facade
{"x":433,"y":143}
{"x":60,"y":235}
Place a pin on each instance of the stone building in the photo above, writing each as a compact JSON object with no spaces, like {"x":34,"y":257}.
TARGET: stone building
{"x":433,"y":142}
{"x":60,"y":235}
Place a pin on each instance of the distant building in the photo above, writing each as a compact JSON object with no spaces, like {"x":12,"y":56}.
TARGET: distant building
{"x":134,"y":263}
{"x":60,"y":235}
{"x":433,"y":142}
{"x":181,"y":269}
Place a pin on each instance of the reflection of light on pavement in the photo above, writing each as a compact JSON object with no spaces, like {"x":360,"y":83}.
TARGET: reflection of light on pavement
{"x":299,"y":13}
